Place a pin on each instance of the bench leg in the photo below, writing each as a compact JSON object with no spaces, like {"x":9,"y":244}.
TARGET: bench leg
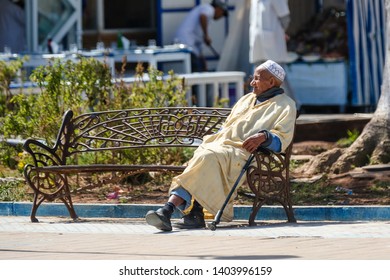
{"x":255,"y":209}
{"x":288,"y":205}
{"x":67,"y":200}
{"x":252,"y":217}
{"x":38,"y":199}
{"x":257,"y":204}
{"x":48,"y":191}
{"x":31,"y":179}
{"x":290,"y":213}
{"x":36,"y":202}
{"x":69,"y":205}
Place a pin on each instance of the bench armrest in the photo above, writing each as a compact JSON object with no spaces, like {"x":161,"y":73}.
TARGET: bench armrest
{"x":44,"y":155}
{"x":41,"y":153}
{"x":269,"y":161}
{"x":269,"y":172}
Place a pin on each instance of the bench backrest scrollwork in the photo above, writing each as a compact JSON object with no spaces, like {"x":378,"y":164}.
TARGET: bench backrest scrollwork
{"x":140,"y":128}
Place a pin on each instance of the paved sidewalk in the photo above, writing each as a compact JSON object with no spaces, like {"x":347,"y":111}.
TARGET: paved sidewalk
{"x":119,"y":239}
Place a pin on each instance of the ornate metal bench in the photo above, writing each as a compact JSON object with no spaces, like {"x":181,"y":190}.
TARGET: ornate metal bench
{"x":114,"y":131}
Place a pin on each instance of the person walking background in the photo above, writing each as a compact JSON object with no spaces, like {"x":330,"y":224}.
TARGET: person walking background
{"x":194,"y":32}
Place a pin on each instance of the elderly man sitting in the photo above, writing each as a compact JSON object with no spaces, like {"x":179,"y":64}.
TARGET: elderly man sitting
{"x":265,"y":117}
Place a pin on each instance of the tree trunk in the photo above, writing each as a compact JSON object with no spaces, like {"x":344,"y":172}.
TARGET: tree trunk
{"x":373,"y":145}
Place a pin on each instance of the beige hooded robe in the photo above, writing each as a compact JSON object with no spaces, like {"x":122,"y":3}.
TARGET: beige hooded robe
{"x":218,"y":161}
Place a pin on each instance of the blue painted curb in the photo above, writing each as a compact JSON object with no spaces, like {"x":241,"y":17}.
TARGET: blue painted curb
{"x":303,"y":213}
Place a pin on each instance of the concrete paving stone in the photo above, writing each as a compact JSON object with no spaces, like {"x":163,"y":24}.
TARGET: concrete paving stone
{"x":60,"y":238}
{"x":119,"y":232}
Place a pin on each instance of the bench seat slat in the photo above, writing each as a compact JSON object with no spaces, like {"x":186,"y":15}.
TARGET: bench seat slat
{"x":68,"y":169}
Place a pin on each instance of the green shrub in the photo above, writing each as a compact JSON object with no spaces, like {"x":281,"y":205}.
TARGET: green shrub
{"x":83,"y":86}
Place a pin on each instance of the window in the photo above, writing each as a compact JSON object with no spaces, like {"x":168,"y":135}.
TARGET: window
{"x":128,"y":14}
{"x":110,"y":15}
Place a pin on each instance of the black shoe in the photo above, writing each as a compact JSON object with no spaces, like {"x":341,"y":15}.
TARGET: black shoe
{"x":191,"y":221}
{"x":159,"y":219}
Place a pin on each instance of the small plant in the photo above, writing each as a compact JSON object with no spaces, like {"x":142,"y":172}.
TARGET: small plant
{"x":222,"y":102}
{"x":158,"y":91}
{"x":9,"y":71}
{"x":294,"y":164}
{"x":380,"y":189}
{"x":13,"y":189}
{"x":346,"y":142}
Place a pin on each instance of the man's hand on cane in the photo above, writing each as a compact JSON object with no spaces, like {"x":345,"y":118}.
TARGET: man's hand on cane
{"x":254,"y":141}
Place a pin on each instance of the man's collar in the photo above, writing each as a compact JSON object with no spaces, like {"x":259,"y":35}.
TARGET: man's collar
{"x":269,"y":94}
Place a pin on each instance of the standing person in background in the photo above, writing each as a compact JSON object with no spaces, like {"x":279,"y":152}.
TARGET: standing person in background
{"x":268,"y":22}
{"x":12,"y":26}
{"x":193,"y":31}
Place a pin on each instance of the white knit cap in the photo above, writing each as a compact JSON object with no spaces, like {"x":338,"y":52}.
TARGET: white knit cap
{"x":275,"y":69}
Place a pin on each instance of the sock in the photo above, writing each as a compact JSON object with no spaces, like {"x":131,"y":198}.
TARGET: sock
{"x":169,"y":208}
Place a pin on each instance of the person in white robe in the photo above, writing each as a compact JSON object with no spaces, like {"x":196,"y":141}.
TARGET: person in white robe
{"x":265,"y":117}
{"x":194,"y":30}
{"x":268,"y":23}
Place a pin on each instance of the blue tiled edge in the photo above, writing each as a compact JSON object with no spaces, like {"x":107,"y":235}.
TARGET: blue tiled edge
{"x":303,"y":213}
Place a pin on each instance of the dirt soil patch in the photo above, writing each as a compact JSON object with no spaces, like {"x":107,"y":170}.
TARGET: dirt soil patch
{"x":358,"y":187}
